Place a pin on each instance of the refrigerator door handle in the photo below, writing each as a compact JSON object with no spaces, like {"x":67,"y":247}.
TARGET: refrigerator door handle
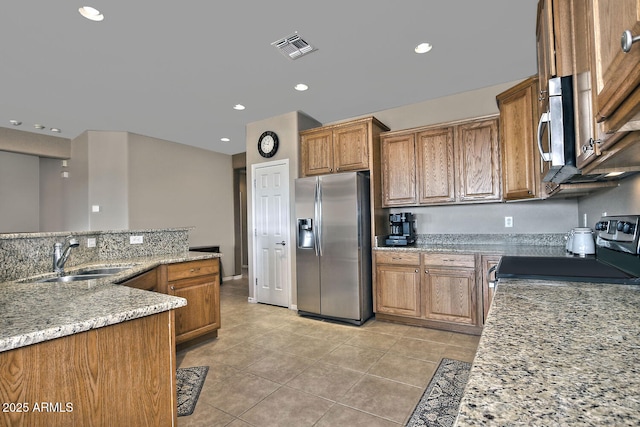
{"x":317,"y":216}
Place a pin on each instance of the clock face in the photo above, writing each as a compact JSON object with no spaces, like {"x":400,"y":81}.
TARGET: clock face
{"x":268,"y":144}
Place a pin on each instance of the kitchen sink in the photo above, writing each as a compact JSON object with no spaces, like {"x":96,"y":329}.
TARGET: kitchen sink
{"x":103,"y":270}
{"x":90,"y":274}
{"x":73,"y":278}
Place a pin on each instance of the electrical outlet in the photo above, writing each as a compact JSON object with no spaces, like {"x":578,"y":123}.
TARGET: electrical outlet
{"x":508,"y":221}
{"x":91,"y":242}
{"x":135,"y":240}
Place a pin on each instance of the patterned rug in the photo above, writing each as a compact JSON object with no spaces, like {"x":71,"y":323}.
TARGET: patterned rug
{"x":440,"y":402}
{"x":189,"y":383}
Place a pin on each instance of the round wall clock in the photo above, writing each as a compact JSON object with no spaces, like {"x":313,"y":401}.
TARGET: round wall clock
{"x":268,"y":144}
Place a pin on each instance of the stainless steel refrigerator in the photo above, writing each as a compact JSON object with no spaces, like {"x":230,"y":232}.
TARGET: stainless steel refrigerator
{"x":333,"y":255}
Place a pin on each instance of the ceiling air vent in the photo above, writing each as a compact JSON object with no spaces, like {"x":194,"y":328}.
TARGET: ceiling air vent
{"x":293,"y":46}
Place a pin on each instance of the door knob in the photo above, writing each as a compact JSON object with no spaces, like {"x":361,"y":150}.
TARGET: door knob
{"x":281,"y":243}
{"x":627,"y":40}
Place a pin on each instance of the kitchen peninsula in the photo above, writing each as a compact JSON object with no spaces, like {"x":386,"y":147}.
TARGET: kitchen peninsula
{"x":90,"y":352}
{"x":557,"y":353}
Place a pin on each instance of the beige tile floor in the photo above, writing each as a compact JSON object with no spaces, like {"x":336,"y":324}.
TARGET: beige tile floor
{"x":271,"y":367}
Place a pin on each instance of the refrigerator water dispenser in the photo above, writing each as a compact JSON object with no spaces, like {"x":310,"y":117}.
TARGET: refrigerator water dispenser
{"x":305,"y":233}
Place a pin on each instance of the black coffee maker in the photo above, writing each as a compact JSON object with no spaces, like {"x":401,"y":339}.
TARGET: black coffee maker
{"x":402,"y":230}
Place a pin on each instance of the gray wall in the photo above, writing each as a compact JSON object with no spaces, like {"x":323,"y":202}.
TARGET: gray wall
{"x":621,"y":200}
{"x":19,"y":193}
{"x":138,"y":182}
{"x":175,"y":185}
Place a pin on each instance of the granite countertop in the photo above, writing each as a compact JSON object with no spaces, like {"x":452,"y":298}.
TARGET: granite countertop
{"x":35,"y":312}
{"x":557,"y":353}
{"x":480,"y":248}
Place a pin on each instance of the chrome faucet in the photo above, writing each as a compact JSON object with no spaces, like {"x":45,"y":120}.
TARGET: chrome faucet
{"x":60,"y":256}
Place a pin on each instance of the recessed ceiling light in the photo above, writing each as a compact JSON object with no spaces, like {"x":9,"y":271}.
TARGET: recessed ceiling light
{"x":37,"y":126}
{"x":301,"y":87}
{"x":225,"y":139}
{"x":56,"y":130}
{"x":91,"y":13}
{"x":15,"y":122}
{"x":610,"y":174}
{"x":423,"y":48}
{"x":238,"y":107}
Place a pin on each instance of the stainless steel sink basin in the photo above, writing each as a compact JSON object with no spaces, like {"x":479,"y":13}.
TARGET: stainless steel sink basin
{"x":73,"y":278}
{"x":90,"y":274}
{"x":104,"y":270}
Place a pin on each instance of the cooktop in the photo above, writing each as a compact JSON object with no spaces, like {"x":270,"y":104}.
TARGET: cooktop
{"x":563,"y":269}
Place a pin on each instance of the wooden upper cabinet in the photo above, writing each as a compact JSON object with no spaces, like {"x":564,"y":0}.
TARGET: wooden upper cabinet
{"x":316,"y":151}
{"x":617,"y":73}
{"x":436,"y":163}
{"x":478,"y":161}
{"x":351,"y":147}
{"x":518,"y":148}
{"x":454,"y":162}
{"x":398,"y":170}
{"x":553,"y":38}
{"x":341,"y":147}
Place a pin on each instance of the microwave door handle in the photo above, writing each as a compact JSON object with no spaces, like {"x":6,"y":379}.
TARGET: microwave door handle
{"x":544,"y":118}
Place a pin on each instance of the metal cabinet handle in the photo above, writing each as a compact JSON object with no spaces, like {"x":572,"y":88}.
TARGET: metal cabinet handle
{"x":426,"y":271}
{"x":194,"y":270}
{"x":628,"y":40}
{"x":492,"y":283}
{"x":281,"y":243}
{"x":416,"y":270}
{"x":173,"y":288}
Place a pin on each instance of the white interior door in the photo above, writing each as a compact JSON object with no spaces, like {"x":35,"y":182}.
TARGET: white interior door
{"x":271,"y":237}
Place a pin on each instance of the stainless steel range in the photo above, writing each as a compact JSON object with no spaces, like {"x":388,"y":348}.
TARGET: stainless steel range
{"x":617,"y":258}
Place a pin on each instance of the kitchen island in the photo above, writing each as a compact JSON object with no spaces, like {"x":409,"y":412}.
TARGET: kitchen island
{"x":89,"y":352}
{"x":557,"y":353}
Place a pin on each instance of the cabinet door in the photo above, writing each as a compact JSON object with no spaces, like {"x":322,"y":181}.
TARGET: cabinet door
{"x":583,"y":81}
{"x":399,"y":170}
{"x":351,"y":147}
{"x":478,"y":161}
{"x":316,"y":153}
{"x":201,"y":314}
{"x":398,"y":290}
{"x":488,"y":261}
{"x":618,"y":73}
{"x":435,"y":163}
{"x":520,"y":158}
{"x":450,"y":295}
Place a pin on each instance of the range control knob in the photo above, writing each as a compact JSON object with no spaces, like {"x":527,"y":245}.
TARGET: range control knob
{"x":601,"y":225}
{"x":628,"y":228}
{"x":620,"y":225}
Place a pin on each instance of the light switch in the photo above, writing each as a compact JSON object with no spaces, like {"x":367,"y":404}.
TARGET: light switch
{"x":95,"y":208}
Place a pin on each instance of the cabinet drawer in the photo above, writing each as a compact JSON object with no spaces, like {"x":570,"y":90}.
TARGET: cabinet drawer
{"x":185,"y":270}
{"x":449,"y":260}
{"x":403,"y":258}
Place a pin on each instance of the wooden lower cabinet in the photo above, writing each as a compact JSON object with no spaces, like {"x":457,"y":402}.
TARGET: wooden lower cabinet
{"x":428,"y":289}
{"x":118,"y":375}
{"x":199,"y":283}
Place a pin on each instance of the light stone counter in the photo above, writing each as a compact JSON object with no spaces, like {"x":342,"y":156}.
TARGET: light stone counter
{"x":34,"y":312}
{"x":557,"y":353}
{"x":484,"y":244}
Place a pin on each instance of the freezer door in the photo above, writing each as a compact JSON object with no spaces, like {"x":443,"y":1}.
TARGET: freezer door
{"x":344,"y":215}
{"x":307,"y":261}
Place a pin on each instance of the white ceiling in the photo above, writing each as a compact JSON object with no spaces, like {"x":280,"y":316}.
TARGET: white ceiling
{"x":174,"y":70}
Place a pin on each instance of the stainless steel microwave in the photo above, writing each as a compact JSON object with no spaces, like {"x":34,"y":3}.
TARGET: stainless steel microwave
{"x":560,"y":132}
